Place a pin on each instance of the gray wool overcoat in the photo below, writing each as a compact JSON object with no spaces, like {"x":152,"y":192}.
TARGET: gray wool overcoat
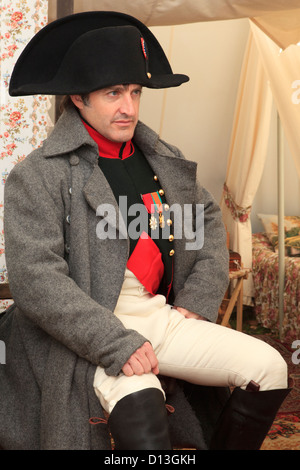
{"x":65,"y":283}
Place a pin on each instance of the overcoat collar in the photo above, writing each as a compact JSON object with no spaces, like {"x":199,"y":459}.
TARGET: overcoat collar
{"x":68,"y":135}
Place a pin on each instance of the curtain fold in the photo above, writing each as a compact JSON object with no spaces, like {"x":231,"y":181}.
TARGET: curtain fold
{"x":247,"y":154}
{"x":282,"y":68}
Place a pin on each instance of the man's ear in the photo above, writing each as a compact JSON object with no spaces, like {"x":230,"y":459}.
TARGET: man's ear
{"x":77,"y":101}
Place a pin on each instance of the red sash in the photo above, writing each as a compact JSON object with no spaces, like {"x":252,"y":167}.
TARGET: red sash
{"x":146,"y":263}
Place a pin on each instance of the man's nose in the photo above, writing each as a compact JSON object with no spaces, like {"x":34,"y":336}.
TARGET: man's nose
{"x":127,"y":105}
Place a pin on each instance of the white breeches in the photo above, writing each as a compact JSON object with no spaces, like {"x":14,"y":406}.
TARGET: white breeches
{"x":197,"y":351}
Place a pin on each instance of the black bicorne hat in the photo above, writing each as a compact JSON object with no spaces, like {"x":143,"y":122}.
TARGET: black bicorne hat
{"x":87,"y":51}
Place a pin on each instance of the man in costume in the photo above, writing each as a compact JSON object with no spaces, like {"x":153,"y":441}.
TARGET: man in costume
{"x":103,"y":312}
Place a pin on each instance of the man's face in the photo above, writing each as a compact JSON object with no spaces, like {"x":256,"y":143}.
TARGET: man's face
{"x":112,"y":111}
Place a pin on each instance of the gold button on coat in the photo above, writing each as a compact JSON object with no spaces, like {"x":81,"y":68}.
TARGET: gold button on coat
{"x":172,"y":252}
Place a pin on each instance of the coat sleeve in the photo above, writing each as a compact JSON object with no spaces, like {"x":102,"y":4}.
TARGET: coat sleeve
{"x":207,"y":281}
{"x":39,"y":276}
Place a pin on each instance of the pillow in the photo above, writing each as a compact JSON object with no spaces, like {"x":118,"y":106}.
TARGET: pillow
{"x":291,"y":232}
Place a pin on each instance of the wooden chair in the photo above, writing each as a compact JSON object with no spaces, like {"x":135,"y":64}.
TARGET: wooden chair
{"x":234,"y":299}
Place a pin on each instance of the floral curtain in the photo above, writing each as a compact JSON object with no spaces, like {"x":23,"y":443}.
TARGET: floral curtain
{"x":23,"y":120}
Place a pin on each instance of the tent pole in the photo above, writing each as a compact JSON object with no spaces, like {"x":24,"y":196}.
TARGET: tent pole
{"x":163,"y":109}
{"x":281,"y":247}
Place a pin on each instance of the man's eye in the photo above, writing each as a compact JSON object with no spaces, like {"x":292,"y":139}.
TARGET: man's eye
{"x":137,"y":92}
{"x":113,"y":93}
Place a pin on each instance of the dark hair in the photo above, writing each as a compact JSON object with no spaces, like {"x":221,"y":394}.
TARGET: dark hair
{"x":66,"y":101}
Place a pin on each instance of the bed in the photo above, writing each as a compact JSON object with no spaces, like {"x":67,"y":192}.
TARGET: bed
{"x":265,"y":278}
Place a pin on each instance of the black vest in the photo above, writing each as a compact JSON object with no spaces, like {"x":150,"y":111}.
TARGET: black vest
{"x":133,"y":177}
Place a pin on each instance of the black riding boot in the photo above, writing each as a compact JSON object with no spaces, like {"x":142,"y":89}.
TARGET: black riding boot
{"x":139,"y":422}
{"x":246,"y":419}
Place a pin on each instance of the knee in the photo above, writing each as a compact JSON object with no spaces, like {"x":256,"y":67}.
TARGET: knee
{"x":273,"y":371}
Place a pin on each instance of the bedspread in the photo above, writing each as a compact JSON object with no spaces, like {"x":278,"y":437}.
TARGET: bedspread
{"x":265,"y":278}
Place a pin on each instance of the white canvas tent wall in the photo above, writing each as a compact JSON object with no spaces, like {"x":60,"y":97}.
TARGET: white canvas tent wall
{"x":279,"y":19}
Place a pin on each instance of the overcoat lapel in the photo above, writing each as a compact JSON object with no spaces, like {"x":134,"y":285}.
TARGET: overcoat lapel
{"x":176,"y":175}
{"x":101,"y":199}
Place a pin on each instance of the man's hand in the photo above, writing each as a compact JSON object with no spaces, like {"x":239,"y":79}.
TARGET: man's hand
{"x":142,"y":361}
{"x":187,"y":314}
